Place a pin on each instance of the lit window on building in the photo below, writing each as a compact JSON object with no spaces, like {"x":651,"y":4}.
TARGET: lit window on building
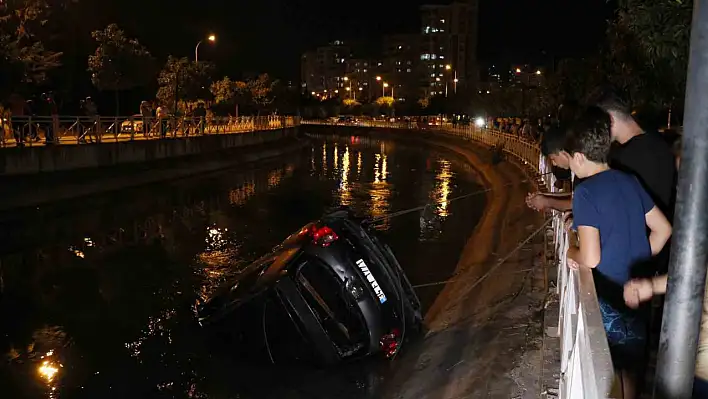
{"x":365,"y":70}
{"x":408,"y":70}
{"x":433,"y":56}
{"x":425,"y":56}
{"x":442,"y":21}
{"x":408,"y":62}
{"x":427,"y":29}
{"x":432,"y":75}
{"x":400,"y":47}
{"x":380,"y":64}
{"x":442,"y":57}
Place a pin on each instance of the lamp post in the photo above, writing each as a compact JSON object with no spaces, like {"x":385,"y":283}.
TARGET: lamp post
{"x":349,"y":89}
{"x":385,"y":85}
{"x":211,"y":38}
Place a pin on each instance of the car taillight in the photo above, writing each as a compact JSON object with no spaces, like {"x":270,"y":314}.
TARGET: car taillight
{"x":389,"y":343}
{"x":323,"y":235}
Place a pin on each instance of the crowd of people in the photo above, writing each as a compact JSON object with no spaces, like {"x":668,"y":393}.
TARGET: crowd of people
{"x":617,"y":216}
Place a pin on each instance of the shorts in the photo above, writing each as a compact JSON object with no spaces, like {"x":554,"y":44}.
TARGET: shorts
{"x":626,"y":336}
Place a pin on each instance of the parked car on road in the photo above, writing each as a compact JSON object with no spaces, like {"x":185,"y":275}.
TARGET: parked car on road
{"x":132,"y":126}
{"x":332,"y":291}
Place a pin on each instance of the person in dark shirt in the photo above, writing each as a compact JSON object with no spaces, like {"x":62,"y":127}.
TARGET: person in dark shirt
{"x":646,"y":155}
{"x":552,"y":147}
{"x":612,"y":213}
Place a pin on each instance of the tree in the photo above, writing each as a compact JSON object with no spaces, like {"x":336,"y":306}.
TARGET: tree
{"x":647,"y":53}
{"x":385,"y":105}
{"x":23,"y":57}
{"x":229,"y":93}
{"x":261,"y":89}
{"x":184,"y":80}
{"x":119,"y":63}
{"x":224,"y":90}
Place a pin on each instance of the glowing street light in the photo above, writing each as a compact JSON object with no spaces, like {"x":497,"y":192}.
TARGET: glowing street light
{"x":384,"y":86}
{"x":210,"y":38}
{"x":538,"y":72}
{"x":378,"y":78}
{"x":448,"y":67}
{"x":518,"y":70}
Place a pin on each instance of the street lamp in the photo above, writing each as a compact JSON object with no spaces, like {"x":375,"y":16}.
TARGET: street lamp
{"x":385,"y":85}
{"x":448,"y":67}
{"x":349,"y":89}
{"x":211,"y":38}
{"x":538,"y":72}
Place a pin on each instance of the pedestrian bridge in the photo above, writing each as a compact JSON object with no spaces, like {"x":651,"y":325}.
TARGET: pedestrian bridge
{"x":582,"y":360}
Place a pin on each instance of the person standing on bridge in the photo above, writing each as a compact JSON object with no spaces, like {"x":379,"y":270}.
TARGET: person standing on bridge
{"x":162,"y":120}
{"x":612,"y":212}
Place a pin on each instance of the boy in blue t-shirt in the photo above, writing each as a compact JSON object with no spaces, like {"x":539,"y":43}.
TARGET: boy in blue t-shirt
{"x":611,"y":214}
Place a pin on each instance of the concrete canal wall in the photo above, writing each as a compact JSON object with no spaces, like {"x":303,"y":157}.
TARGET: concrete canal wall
{"x":33,"y":176}
{"x":56,"y":158}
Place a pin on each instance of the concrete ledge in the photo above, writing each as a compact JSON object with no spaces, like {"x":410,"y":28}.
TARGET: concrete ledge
{"x":56,"y":158}
{"x":33,"y":190}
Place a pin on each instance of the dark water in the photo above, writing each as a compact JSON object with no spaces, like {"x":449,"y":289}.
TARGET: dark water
{"x":97,"y":294}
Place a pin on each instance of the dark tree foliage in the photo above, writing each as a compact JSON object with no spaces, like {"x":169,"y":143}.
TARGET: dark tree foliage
{"x":119,"y":63}
{"x":24,"y":60}
{"x":184,"y":80}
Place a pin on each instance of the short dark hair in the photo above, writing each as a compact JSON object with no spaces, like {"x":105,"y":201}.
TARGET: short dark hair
{"x":553,"y":141}
{"x":610,"y":100}
{"x":590,"y":135}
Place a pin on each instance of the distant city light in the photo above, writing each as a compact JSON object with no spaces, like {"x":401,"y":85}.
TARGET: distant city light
{"x":212,"y":38}
{"x":479,"y":122}
{"x":538,"y":72}
{"x":518,"y":70}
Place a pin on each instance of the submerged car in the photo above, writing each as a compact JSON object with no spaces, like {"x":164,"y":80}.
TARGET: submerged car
{"x":330,"y":292}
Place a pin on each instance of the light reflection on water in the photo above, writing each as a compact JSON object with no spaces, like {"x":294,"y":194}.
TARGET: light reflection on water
{"x":192,"y":248}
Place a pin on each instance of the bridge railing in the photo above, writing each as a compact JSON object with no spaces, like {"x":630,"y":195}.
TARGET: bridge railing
{"x":27,"y":131}
{"x":586,"y":370}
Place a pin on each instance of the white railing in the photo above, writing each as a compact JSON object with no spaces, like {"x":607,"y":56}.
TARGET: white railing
{"x":586,"y":370}
{"x":27,"y":131}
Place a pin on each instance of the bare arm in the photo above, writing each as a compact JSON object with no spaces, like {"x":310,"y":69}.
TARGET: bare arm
{"x":560,"y":203}
{"x":540,"y":202}
{"x":660,"y":230}
{"x":587,"y":253}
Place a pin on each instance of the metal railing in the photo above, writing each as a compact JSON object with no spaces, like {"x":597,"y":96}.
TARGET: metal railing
{"x":28,"y":131}
{"x":586,"y":370}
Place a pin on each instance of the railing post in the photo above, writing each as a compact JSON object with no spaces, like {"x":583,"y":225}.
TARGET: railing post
{"x":687,"y":266}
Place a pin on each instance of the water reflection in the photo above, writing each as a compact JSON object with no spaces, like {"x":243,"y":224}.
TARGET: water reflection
{"x":442,"y":187}
{"x":125,"y":290}
{"x":345,"y":194}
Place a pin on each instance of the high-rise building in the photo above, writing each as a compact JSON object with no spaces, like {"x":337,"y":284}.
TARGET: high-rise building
{"x":360,"y":76}
{"x":322,"y":71}
{"x":449,"y":45}
{"x":401,"y":65}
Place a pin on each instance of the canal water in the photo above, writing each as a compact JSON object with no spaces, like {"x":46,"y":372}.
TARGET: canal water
{"x":97,"y":294}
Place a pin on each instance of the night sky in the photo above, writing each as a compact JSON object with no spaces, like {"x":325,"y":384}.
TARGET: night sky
{"x":256,"y":36}
{"x":269,"y":35}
